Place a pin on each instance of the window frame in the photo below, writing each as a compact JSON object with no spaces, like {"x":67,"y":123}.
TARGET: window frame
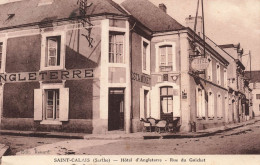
{"x":3,"y":60}
{"x":55,"y":104}
{"x":123,"y":50}
{"x":44,"y":51}
{"x":211,"y":104}
{"x":209,"y":70}
{"x":45,"y":87}
{"x":158,"y":55}
{"x":148,"y":56}
{"x":218,"y":74}
{"x":225,"y":78}
{"x":200,"y":103}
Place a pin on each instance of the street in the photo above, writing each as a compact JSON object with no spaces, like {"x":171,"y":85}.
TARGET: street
{"x":244,"y":140}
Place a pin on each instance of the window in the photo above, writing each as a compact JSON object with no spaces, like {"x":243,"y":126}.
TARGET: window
{"x":52,"y":102}
{"x":116,"y":48}
{"x":166,"y":99}
{"x":200,"y":102}
{"x":225,"y":78}
{"x":209,"y":70}
{"x":145,"y":56}
{"x":257,"y":96}
{"x":145,"y":45}
{"x":166,"y":57}
{"x":218,"y":74}
{"x":259,"y":107}
{"x":53,"y":51}
{"x":210,"y":105}
{"x":219,"y":106}
{"x":1,"y":53}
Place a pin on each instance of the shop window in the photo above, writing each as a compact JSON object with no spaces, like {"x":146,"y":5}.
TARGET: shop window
{"x":166,"y":94}
{"x":1,"y":53}
{"x":219,"y":106}
{"x":116,"y":47}
{"x":51,"y":104}
{"x":257,"y":96}
{"x":53,"y":51}
{"x":145,"y":56}
{"x":210,"y":105}
{"x":200,"y":102}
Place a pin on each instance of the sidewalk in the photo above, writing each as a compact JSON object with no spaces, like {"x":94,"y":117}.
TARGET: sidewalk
{"x":122,"y":135}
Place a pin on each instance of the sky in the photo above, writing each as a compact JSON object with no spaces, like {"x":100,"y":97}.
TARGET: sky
{"x":226,"y":22}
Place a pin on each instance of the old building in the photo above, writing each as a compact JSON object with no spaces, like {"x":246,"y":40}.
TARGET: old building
{"x":95,"y":66}
{"x":255,"y":86}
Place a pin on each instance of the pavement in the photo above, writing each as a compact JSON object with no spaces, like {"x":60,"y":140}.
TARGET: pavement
{"x":108,"y":138}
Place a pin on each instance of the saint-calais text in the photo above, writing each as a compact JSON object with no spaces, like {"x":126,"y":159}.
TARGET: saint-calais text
{"x":47,"y":75}
{"x":82,"y":160}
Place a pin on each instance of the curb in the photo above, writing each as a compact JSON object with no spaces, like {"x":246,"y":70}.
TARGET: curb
{"x":39,"y":134}
{"x":4,"y":151}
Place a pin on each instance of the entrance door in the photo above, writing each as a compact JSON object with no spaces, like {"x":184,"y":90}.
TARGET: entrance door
{"x":116,"y":109}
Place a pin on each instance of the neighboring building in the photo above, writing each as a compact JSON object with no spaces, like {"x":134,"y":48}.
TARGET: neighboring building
{"x":239,"y":91}
{"x":63,"y":71}
{"x":255,"y":86}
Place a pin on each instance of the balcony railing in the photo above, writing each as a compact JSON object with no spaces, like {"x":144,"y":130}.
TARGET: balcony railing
{"x":165,"y":68}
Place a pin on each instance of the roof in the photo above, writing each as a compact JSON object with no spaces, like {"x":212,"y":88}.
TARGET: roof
{"x":255,"y":76}
{"x":151,"y":16}
{"x":28,"y":11}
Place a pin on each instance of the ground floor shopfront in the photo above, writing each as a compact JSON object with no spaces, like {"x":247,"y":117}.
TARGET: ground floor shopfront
{"x":86,"y":105}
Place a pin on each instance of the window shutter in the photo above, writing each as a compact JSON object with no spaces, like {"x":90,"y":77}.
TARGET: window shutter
{"x":176,"y":106}
{"x":37,"y":104}
{"x":141,"y":103}
{"x":64,"y":104}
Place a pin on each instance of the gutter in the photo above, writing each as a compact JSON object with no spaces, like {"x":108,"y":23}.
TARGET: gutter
{"x":60,"y":20}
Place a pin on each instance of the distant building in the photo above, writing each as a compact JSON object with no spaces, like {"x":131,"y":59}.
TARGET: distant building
{"x":255,"y":86}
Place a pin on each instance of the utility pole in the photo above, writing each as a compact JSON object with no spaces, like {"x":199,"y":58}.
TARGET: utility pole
{"x":203,"y":22}
{"x":250,"y":65}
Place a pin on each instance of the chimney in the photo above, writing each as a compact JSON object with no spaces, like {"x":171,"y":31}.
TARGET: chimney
{"x":190,"y":21}
{"x":163,"y":7}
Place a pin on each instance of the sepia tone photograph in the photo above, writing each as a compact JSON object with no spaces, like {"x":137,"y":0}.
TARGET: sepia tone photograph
{"x":129,"y":77}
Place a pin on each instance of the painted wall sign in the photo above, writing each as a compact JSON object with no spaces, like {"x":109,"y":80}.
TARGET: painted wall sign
{"x":199,"y":63}
{"x":75,"y":74}
{"x":141,"y":78}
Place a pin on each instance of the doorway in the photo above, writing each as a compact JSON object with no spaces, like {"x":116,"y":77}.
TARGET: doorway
{"x":116,"y":109}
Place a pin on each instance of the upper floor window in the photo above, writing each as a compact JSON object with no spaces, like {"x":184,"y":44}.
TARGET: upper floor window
{"x":218,"y":74}
{"x":116,"y":47}
{"x":165,"y":57}
{"x":2,"y":54}
{"x":53,"y":51}
{"x":145,"y":56}
{"x":225,"y":78}
{"x":209,"y":70}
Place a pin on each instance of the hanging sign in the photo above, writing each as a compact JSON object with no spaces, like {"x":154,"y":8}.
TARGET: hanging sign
{"x":200,"y":63}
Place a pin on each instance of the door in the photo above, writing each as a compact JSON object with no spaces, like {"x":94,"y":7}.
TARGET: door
{"x":116,"y":109}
